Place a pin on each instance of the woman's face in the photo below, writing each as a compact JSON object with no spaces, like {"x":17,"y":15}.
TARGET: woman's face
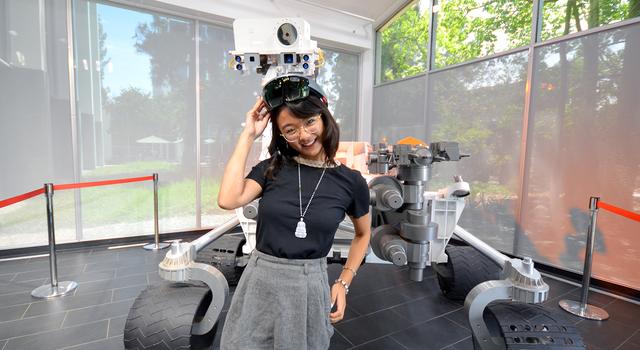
{"x":304,"y":135}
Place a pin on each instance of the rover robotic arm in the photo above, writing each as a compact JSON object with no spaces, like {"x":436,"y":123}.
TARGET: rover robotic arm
{"x":413,"y":227}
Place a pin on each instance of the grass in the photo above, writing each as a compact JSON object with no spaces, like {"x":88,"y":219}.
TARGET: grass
{"x":109,"y":205}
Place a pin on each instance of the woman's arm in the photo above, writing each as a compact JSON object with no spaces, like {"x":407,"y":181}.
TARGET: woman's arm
{"x":357,"y":250}
{"x":235,"y":190}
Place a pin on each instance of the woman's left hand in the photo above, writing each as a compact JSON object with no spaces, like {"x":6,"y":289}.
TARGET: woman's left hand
{"x":339,"y":300}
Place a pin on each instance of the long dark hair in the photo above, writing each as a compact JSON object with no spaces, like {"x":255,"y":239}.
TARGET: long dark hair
{"x":305,"y":108}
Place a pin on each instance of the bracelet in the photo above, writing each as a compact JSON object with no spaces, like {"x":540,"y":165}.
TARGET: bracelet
{"x":350,"y":269}
{"x":344,"y":284}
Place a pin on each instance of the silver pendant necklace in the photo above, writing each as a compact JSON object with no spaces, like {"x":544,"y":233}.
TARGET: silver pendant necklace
{"x":301,"y":228}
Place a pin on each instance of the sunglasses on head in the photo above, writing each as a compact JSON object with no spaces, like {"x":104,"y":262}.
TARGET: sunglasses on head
{"x":288,"y":89}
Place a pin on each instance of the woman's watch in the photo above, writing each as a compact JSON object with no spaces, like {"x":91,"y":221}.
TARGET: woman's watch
{"x":344,"y":284}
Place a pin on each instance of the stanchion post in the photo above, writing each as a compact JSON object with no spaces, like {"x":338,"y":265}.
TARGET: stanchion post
{"x":583,"y":309}
{"x":56,"y":288}
{"x":156,"y":245}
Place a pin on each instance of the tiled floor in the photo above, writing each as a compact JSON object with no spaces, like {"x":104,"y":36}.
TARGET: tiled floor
{"x":385,"y":310}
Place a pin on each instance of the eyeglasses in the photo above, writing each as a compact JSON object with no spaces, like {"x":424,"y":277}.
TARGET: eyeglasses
{"x":310,"y":125}
{"x":285,"y":89}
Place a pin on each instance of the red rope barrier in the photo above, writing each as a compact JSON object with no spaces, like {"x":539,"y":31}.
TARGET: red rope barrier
{"x":628,"y":214}
{"x":25,"y":196}
{"x":20,"y":198}
{"x":101,"y":183}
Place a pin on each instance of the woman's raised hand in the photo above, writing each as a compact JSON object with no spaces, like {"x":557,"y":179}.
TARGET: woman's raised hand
{"x":257,"y":118}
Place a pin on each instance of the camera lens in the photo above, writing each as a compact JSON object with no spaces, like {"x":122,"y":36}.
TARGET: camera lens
{"x":287,"y":34}
{"x":238,"y":66}
{"x":238,"y":59}
{"x":305,"y":57}
{"x":288,"y":58}
{"x":305,"y":65}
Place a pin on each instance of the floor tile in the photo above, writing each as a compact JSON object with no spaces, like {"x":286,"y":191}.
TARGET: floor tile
{"x":115,"y":343}
{"x":46,"y":274}
{"x":365,"y":328}
{"x":60,"y":338}
{"x":465,"y":344}
{"x":128,"y":292}
{"x":625,"y":313}
{"x":434,"y":334}
{"x":459,"y":317}
{"x":386,"y":343}
{"x":31,"y":325}
{"x":104,"y":285}
{"x":87,"y":276}
{"x":116,"y":326}
{"x":421,"y":310}
{"x":17,"y":298}
{"x":97,"y":313}
{"x":558,"y":289}
{"x":381,"y":300}
{"x":604,"y":334}
{"x":5,"y":278}
{"x":12,"y":313}
{"x":19,"y":287}
{"x":338,"y":342}
{"x":68,"y":303}
{"x":629,"y":346}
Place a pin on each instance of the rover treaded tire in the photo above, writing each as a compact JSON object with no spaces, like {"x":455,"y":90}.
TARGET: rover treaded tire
{"x":163,"y":314}
{"x":225,"y":255}
{"x":528,"y":326}
{"x":465,"y":269}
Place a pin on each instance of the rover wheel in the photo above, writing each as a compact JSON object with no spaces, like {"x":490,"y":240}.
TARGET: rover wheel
{"x":225,"y":254}
{"x":465,"y":269}
{"x":527,"y":326}
{"x":163,"y":314}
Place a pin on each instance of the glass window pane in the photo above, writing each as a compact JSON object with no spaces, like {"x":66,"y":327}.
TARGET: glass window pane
{"x":487,"y":124}
{"x":136,"y":96}
{"x":402,"y":43}
{"x":564,"y":17}
{"x":584,"y":141}
{"x":225,"y":97}
{"x":398,"y":110}
{"x":339,"y":80}
{"x":35,"y":138}
{"x":469,"y":29}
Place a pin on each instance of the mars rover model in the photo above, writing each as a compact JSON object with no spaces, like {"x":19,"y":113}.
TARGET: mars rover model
{"x":410,"y":227}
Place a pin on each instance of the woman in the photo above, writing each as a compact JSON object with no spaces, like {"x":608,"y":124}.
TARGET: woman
{"x":283,"y":299}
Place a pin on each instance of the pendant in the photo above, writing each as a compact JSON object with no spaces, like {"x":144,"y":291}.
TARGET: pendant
{"x":301,"y":229}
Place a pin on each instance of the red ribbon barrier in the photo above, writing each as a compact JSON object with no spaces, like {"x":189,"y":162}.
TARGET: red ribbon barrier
{"x":628,"y":214}
{"x":101,"y":183}
{"x":25,"y":196}
{"x":20,"y":198}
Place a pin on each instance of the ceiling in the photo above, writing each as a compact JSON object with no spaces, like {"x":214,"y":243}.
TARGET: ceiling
{"x":376,"y":10}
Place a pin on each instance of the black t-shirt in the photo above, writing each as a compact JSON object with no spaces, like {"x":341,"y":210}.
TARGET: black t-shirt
{"x":341,"y":191}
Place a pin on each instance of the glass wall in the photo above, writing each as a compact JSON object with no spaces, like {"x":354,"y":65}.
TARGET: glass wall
{"x":35,"y":123}
{"x":569,"y":16}
{"x":136,"y":96}
{"x":339,"y":80}
{"x":488,"y":126}
{"x":583,"y":141}
{"x":467,"y":29}
{"x":402,"y":43}
{"x":137,"y":113}
{"x":398,"y":110}
{"x":583,"y":130}
{"x":225,"y":97}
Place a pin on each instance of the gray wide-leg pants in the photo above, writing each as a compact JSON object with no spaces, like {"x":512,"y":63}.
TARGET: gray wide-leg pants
{"x":279,"y":304}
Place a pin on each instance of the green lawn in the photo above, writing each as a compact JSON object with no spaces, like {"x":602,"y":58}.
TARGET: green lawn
{"x":125,"y":203}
